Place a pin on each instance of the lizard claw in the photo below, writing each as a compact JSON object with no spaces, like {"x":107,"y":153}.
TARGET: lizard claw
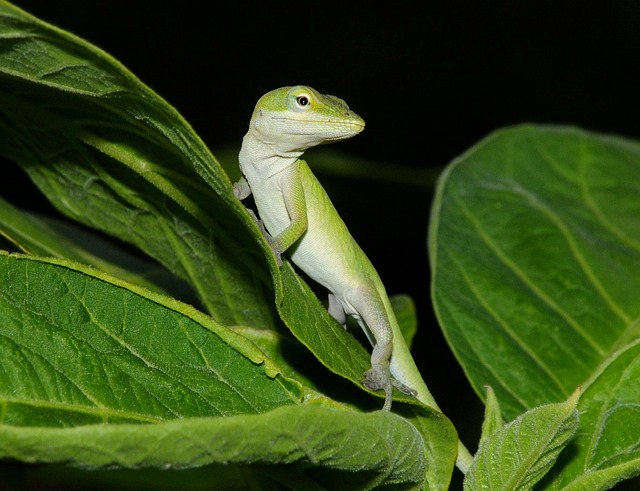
{"x":379,"y":377}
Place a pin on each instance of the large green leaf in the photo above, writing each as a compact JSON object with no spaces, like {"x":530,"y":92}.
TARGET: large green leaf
{"x":289,"y":435}
{"x":535,"y":247}
{"x":81,"y":348}
{"x":110,"y":153}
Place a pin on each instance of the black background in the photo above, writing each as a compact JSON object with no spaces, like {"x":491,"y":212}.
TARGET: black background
{"x":429,"y":78}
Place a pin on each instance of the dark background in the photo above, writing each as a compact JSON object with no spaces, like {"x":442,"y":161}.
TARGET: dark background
{"x":429,"y":78}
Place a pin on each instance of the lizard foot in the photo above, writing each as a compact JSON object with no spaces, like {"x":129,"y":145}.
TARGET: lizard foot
{"x":379,"y":377}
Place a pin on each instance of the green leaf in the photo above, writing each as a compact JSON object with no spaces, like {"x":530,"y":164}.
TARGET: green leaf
{"x":515,"y":457}
{"x":298,"y":437}
{"x":526,"y":297}
{"x":97,"y":350}
{"x":110,"y":153}
{"x":606,"y":449}
{"x":535,"y":248}
{"x":81,"y":347}
{"x":440,"y":443}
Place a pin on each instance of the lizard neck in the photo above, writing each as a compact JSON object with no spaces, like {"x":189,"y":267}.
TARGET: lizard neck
{"x":264,"y":158}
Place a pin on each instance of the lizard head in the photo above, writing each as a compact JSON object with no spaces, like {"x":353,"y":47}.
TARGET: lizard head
{"x":298,"y":118}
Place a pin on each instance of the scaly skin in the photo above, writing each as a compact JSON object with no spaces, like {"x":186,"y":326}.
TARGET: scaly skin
{"x":299,"y":218}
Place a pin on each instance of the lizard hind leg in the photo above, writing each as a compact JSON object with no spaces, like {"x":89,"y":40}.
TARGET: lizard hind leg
{"x":379,"y":376}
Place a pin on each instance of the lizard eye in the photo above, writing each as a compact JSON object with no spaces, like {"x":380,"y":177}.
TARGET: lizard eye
{"x":303,"y":100}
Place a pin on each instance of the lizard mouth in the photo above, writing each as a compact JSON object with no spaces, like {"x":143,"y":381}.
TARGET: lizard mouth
{"x":351,"y":124}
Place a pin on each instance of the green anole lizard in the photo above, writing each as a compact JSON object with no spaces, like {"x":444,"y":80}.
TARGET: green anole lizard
{"x":300,"y":219}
